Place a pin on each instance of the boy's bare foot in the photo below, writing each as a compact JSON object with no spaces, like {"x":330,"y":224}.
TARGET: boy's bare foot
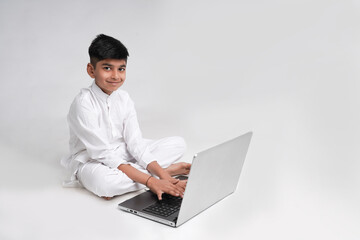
{"x":181,"y":168}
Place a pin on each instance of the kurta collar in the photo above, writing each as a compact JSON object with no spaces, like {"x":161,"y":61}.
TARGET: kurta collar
{"x":99,"y":93}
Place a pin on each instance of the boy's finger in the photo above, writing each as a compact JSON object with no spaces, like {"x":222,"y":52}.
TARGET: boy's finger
{"x":160,"y":195}
{"x":174,"y":181}
{"x":175,"y":193}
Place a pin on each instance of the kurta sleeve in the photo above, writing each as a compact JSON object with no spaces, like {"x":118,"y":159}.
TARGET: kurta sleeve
{"x":83,"y":120}
{"x":136,"y":145}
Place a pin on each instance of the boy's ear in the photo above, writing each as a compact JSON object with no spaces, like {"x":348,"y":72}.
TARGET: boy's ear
{"x":90,"y":70}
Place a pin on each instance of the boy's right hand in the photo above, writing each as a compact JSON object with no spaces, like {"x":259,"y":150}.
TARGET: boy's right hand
{"x":171,"y":186}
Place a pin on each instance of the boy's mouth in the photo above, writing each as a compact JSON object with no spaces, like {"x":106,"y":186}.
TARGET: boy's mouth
{"x":114,"y":83}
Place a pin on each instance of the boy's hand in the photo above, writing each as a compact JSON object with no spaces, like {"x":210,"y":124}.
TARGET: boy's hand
{"x":182,"y":184}
{"x":170,"y":186}
{"x":179,"y":183}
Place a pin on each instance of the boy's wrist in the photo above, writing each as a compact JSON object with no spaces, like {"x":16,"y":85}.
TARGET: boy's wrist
{"x":164,"y":175}
{"x":150,"y":182}
{"x":147,"y":181}
{"x":156,"y":169}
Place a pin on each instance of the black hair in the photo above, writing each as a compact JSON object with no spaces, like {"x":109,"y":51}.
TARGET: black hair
{"x":105,"y":47}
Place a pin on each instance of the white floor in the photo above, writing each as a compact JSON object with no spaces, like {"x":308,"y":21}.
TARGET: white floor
{"x":292,"y":187}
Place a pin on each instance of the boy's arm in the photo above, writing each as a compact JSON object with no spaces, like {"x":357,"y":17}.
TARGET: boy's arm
{"x":83,"y":122}
{"x":136,"y":145}
{"x":156,"y":169}
{"x":158,"y":186}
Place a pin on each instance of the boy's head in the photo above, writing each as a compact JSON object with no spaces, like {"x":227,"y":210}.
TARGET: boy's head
{"x":106,"y":47}
{"x":108,"y":58}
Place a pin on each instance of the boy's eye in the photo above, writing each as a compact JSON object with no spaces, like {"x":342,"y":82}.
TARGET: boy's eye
{"x":107,"y":68}
{"x":121,"y":69}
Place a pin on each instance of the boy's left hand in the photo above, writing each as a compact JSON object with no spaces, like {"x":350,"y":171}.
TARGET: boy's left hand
{"x":177,"y":182}
{"x":182,"y":184}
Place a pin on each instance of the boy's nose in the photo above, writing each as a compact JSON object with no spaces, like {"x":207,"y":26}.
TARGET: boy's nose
{"x":115,"y":75}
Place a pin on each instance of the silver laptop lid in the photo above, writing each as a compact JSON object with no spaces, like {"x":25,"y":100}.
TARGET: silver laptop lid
{"x":214,"y":175}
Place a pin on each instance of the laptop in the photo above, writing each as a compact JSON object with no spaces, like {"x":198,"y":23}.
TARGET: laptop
{"x":214,"y":175}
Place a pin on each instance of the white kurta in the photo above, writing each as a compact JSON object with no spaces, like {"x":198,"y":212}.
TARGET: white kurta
{"x":104,"y":129}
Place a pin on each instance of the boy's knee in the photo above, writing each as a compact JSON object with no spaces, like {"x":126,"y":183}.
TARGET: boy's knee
{"x":180,"y":144}
{"x":117,"y":185}
{"x":112,"y":185}
{"x":105,"y":190}
{"x":105,"y":182}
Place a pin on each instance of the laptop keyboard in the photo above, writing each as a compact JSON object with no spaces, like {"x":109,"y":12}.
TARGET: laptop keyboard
{"x":167,"y":206}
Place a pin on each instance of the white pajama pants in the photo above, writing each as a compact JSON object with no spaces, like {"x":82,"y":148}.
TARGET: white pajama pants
{"x":108,"y":182}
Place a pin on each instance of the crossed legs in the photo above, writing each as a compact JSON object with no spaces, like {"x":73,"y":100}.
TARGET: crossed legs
{"x":108,"y":182}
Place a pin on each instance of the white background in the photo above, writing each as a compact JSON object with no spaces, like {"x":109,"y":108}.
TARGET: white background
{"x":205,"y":70}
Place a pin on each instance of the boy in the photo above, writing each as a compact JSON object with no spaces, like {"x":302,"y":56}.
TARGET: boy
{"x":108,"y":155}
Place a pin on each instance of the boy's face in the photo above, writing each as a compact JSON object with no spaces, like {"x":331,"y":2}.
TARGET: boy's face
{"x":109,"y":74}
